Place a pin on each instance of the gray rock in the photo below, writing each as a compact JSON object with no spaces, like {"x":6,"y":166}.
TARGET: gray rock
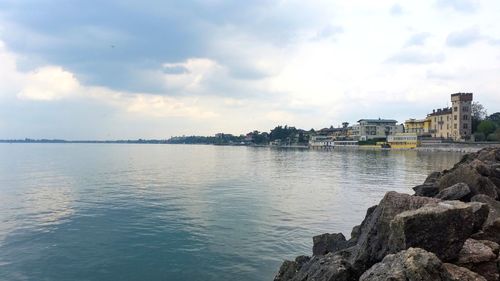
{"x":488,"y":270}
{"x":480,"y":213}
{"x":429,"y":188}
{"x":475,"y":251}
{"x":457,"y":273}
{"x":409,"y":265}
{"x":441,"y":228}
{"x":466,"y":173}
{"x":481,"y":167}
{"x":493,"y":205}
{"x":495,"y":170}
{"x":328,"y":243}
{"x":356,"y":231}
{"x":480,"y":258}
{"x":426,"y":190}
{"x":490,"y":232}
{"x":373,"y":242}
{"x":289,"y":269}
{"x":493,"y":246}
{"x":325,"y":268}
{"x":454,"y":192}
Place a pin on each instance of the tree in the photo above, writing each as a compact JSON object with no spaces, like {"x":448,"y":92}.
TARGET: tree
{"x":486,"y":127}
{"x":495,"y":117}
{"x":495,"y":136}
{"x":479,"y":136}
{"x":478,"y":114}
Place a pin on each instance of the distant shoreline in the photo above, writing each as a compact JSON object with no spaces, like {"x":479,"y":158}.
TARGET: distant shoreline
{"x":442,"y":147}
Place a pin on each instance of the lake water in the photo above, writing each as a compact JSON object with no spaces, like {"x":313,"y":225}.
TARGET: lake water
{"x":180,"y":212}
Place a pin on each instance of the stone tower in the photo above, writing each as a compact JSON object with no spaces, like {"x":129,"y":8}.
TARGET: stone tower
{"x":461,"y":104}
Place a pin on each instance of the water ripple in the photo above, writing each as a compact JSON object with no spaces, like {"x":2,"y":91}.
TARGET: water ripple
{"x":159,"y":212}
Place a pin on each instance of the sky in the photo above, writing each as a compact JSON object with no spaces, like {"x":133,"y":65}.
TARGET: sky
{"x":121,"y":69}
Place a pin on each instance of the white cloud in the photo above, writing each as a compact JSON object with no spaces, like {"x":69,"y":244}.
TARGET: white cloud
{"x":49,"y":83}
{"x":197,"y":71}
{"x":464,"y":38}
{"x":313,"y":83}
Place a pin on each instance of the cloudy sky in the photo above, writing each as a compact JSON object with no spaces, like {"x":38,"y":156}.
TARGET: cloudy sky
{"x":153,"y":69}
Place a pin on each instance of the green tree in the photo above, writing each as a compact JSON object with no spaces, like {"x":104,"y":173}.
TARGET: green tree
{"x":479,"y":136}
{"x":486,"y":127}
{"x":478,"y":114}
{"x":495,"y":117}
{"x":494,"y":136}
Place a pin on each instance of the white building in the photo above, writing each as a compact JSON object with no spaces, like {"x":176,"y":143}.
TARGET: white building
{"x":368,"y":129}
{"x":321,"y":141}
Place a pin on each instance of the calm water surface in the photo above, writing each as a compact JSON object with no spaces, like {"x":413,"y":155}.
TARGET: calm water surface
{"x":173,"y":212}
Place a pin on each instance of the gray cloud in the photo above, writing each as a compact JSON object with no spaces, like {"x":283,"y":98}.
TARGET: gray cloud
{"x":176,"y":69}
{"x":418,"y":39}
{"x":464,"y":6}
{"x":463,"y":38}
{"x":416,"y":57}
{"x":113,"y":44}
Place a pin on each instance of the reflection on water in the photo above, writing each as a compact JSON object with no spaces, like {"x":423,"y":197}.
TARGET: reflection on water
{"x":166,"y":212}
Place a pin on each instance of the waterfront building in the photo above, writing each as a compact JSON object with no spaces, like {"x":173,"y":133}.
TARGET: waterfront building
{"x":461,"y":104}
{"x":321,"y":141}
{"x":420,"y":127}
{"x":368,"y":129}
{"x":403,"y":140}
{"x":349,"y":143}
{"x":453,"y":122}
{"x":441,"y":123}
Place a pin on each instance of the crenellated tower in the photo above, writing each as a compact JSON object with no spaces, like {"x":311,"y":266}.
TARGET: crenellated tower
{"x":461,"y":105}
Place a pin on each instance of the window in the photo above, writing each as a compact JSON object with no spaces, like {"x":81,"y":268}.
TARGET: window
{"x":465,"y":117}
{"x":454,"y":126}
{"x":465,"y":108}
{"x":455,"y":108}
{"x":455,"y":117}
{"x":465,"y":126}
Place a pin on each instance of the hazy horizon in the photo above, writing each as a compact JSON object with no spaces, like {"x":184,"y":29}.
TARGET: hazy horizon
{"x":125,"y":70}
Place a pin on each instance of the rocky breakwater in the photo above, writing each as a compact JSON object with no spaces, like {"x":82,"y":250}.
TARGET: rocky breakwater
{"x":448,"y":230}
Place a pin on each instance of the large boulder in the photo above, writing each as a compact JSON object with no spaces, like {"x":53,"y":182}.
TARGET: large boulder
{"x":468,"y":174}
{"x":490,"y":232}
{"x":457,"y":273}
{"x":289,"y":269}
{"x":325,"y":268}
{"x":441,"y":228}
{"x":454,"y":192}
{"x":328,"y":243}
{"x":480,"y":257}
{"x":493,"y":205}
{"x":476,"y":251}
{"x":373,"y":241}
{"x":416,"y":264}
{"x":488,"y":155}
{"x":429,"y":188}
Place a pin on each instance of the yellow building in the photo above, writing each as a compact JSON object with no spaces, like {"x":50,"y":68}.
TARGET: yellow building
{"x":403,"y":141}
{"x":427,"y":126}
{"x":446,"y":123}
{"x":421,"y":127}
